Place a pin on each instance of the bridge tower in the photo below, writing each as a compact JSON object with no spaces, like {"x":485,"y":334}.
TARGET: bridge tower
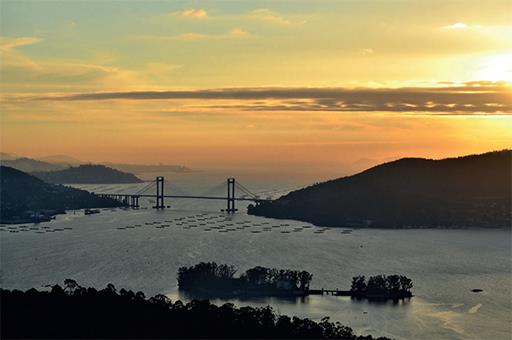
{"x":159,"y":193}
{"x":231,"y":196}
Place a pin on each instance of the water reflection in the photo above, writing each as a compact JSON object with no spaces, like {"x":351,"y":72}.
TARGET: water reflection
{"x":241,"y":300}
{"x":290,"y":300}
{"x":382,"y":302}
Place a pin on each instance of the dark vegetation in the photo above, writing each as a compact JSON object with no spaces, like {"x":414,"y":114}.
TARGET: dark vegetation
{"x":382,"y":286}
{"x":212,"y":280}
{"x":77,"y":312}
{"x":470,"y":191}
{"x":87,"y":174}
{"x":26,"y":198}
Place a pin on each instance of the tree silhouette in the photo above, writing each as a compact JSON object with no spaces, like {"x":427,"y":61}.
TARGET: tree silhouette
{"x":216,"y":278}
{"x":393,"y":283}
{"x":305,"y":279}
{"x":111,"y":288}
{"x":358,"y":284}
{"x":405,"y":283}
{"x":70,"y":285}
{"x":392,"y":286}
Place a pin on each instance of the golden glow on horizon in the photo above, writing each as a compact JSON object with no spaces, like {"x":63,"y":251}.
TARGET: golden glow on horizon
{"x":496,"y":68}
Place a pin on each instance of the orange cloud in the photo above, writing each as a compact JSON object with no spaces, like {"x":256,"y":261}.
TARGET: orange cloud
{"x":192,"y":36}
{"x":193,"y":13}
{"x":9,"y":43}
{"x":266,"y":14}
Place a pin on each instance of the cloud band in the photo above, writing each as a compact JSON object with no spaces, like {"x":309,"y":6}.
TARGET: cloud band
{"x":469,"y":97}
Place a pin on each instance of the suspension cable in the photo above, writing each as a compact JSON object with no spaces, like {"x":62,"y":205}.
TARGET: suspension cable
{"x":146,"y":188}
{"x":245,"y":190}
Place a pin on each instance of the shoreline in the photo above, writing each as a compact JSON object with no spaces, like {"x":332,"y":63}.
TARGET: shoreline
{"x":221,"y":294}
{"x":52,"y":216}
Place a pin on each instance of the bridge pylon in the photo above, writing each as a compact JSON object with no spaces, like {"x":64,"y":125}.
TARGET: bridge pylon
{"x":159,"y":193}
{"x":231,"y":196}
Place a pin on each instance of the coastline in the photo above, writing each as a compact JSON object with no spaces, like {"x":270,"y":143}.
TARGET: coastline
{"x":279,"y":293}
{"x":356,"y":226}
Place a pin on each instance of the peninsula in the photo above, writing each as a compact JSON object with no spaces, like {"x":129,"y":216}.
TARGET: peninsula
{"x":470,"y":191}
{"x":25,"y":198}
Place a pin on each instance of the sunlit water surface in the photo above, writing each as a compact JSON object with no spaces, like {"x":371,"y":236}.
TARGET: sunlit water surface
{"x":127,"y":248}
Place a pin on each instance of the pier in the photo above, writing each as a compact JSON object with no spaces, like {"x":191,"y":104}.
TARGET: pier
{"x":335,"y":292}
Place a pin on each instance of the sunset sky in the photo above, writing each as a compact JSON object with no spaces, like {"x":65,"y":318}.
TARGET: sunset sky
{"x":263,"y":84}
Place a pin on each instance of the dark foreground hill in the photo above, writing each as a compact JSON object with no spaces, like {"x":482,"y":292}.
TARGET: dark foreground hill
{"x":22,"y":196}
{"x":75,"y":312}
{"x":470,"y":191}
{"x":87,"y":174}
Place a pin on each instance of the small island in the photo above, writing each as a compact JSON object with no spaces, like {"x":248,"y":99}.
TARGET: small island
{"x":212,"y":280}
{"x":390,"y":287}
{"x":218,"y":280}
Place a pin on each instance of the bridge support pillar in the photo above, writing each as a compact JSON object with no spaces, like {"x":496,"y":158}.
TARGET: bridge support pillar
{"x":159,"y":193}
{"x":134,"y":201}
{"x":231,"y":196}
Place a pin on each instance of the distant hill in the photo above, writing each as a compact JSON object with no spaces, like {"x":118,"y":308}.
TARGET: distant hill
{"x":87,"y":174}
{"x":470,"y":191}
{"x":31,"y":165}
{"x":61,"y":162}
{"x":140,"y":168}
{"x":7,"y":156}
{"x":61,"y":159}
{"x":21,"y":193}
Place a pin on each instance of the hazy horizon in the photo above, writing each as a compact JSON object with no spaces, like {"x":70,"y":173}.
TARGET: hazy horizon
{"x":308,"y":172}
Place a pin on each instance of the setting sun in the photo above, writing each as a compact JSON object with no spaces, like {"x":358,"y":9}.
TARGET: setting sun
{"x":496,"y":68}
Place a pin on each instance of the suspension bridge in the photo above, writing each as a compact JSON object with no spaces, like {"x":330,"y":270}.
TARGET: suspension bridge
{"x":132,"y":200}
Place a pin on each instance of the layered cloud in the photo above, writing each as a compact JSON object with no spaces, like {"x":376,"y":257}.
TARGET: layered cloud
{"x":443,"y":98}
{"x":192,"y":13}
{"x":458,"y":25}
{"x":268,"y":15}
{"x":260,"y":14}
{"x":233,"y":33}
{"x":193,"y":36}
{"x":11,"y":57}
{"x":8,"y":43}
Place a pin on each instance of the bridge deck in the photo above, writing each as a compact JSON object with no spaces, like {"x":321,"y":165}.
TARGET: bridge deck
{"x":191,"y":196}
{"x":133,"y":199}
